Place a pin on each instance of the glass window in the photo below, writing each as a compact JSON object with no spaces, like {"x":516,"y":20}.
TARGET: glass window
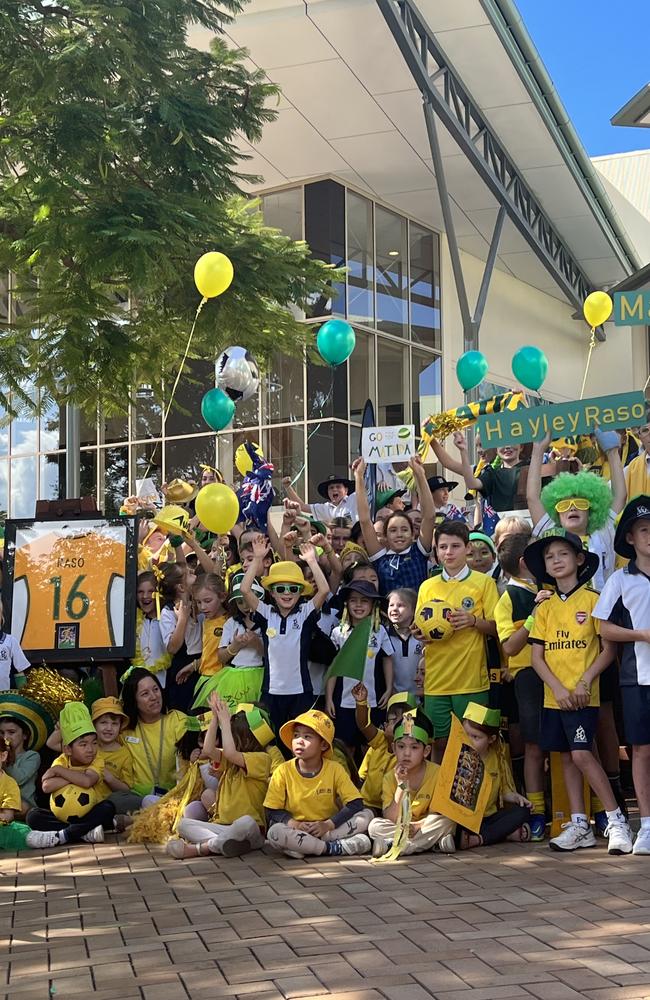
{"x":52,"y":426}
{"x":4,"y":297}
{"x":88,"y":431}
{"x":424,"y":286}
{"x":52,"y":477}
{"x":362,"y":374}
{"x":327,"y":391}
{"x":285,"y":448}
{"x":184,"y":457}
{"x":284,"y":391}
{"x":88,"y":473}
{"x":185,"y":414}
{"x":116,"y":428}
{"x":4,"y":432}
{"x":391,"y":383}
{"x":392,"y":305}
{"x":4,"y":486}
{"x":23,"y":487}
{"x":361,"y":301}
{"x":426,"y":386}
{"x":148,"y":414}
{"x":325,"y":234}
{"x":283,"y":210}
{"x":147,"y":459}
{"x":24,"y":429}
{"x":247,"y":414}
{"x":116,"y":478}
{"x":328,"y":453}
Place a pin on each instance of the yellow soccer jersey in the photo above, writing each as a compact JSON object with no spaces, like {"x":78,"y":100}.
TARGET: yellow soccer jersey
{"x":212,"y":632}
{"x":68,"y":581}
{"x":152,"y":746}
{"x":458,"y":665}
{"x":9,"y":793}
{"x":310,"y":799}
{"x":379,"y":759}
{"x":241,"y":792}
{"x":513,"y":608}
{"x":569,"y":635}
{"x":420,"y":799}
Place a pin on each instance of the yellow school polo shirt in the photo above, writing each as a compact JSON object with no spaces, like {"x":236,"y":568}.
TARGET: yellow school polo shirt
{"x":458,"y":665}
{"x":9,"y":793}
{"x":565,"y":628}
{"x":420,"y":799}
{"x":310,"y":799}
{"x":637,"y":476}
{"x":241,"y":790}
{"x":513,"y":608}
{"x":379,"y":759}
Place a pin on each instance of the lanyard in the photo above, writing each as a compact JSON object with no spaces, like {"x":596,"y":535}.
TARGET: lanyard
{"x":155,"y":775}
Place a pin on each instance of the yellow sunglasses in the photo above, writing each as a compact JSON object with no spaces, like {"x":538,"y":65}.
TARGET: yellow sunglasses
{"x":578,"y":503}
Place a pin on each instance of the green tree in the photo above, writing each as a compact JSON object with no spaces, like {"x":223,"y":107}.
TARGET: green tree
{"x":118,"y":169}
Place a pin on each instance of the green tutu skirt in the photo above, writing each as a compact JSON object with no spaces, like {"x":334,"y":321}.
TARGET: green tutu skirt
{"x":13,"y":836}
{"x":234,"y":684}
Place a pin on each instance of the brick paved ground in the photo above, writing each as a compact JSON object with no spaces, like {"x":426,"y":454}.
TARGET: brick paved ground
{"x":121,"y":922}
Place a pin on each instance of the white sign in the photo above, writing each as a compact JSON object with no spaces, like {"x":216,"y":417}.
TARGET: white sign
{"x":388,"y":444}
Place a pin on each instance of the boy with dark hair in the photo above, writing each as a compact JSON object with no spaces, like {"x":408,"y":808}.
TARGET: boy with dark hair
{"x":456,"y":668}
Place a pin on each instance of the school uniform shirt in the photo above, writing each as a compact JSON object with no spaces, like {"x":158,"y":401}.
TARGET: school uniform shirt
{"x":242,"y":790}
{"x":420,"y":799}
{"x":637,"y":475}
{"x":248,"y":656}
{"x":458,"y":665}
{"x":212,"y":632}
{"x":497,"y":791}
{"x":378,"y":761}
{"x":513,"y":608}
{"x":286,"y":647}
{"x":601,"y":542}
{"x":564,"y":626}
{"x":24,"y":771}
{"x":152,"y":648}
{"x":377,"y":641}
{"x":327,"y":511}
{"x":11,"y":655}
{"x":406,"y":655}
{"x":310,"y":799}
{"x":193,"y":631}
{"x":120,"y":763}
{"x":401,"y":569}
{"x":152,"y":746}
{"x":625,"y":601}
{"x":9,"y":793}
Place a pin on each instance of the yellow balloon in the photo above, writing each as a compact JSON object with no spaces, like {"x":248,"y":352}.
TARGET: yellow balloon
{"x":213,"y":273}
{"x":597,"y":308}
{"x":243,"y":462}
{"x":217,"y":508}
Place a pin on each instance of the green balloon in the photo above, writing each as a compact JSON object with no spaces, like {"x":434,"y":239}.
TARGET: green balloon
{"x":530,"y":367}
{"x":471,"y":369}
{"x":335,"y":341}
{"x":217,"y":409}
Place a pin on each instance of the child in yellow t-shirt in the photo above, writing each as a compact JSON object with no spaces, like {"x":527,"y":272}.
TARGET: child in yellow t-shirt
{"x":380,"y":755}
{"x":237,"y":820}
{"x":414,"y":773}
{"x":15,"y":836}
{"x":118,"y":778}
{"x":312,"y":807}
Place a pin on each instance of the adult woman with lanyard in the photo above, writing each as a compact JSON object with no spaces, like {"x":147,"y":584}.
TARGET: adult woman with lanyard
{"x":151,"y":735}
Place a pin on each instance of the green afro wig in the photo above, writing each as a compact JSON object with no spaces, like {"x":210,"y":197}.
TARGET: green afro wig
{"x":580,"y":484}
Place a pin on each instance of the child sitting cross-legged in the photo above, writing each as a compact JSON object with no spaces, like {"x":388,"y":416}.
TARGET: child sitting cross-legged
{"x":380,"y":755}
{"x":15,"y":836}
{"x":414,"y":774}
{"x":312,"y":807}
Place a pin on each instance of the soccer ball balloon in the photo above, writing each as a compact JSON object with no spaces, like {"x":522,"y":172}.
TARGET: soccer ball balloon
{"x":72,"y":802}
{"x":237,"y":373}
{"x":432,"y":619}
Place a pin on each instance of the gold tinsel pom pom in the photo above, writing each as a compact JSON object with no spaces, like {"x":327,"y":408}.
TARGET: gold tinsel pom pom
{"x":157,"y":823}
{"x":442,"y":425}
{"x":50,"y":689}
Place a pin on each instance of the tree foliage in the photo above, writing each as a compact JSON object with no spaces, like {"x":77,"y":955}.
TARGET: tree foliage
{"x":118,"y":169}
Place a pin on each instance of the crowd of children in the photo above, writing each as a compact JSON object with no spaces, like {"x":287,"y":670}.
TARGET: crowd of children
{"x":231,"y":730}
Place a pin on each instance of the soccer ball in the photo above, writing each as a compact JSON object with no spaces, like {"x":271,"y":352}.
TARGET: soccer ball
{"x":72,"y":802}
{"x":237,"y":374}
{"x":433,"y":620}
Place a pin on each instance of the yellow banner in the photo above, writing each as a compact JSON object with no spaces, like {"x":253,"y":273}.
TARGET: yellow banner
{"x":463,"y":787}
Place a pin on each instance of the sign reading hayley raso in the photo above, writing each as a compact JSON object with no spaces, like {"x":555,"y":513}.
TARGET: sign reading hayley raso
{"x":626,"y":409}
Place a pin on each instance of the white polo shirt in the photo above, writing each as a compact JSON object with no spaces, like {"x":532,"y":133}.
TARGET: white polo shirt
{"x":286,"y":647}
{"x":344,"y":508}
{"x":625,"y":601}
{"x":11,"y":655}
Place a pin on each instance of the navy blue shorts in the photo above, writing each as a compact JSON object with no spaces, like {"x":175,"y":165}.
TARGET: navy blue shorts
{"x":529,"y":690}
{"x":564,"y":731}
{"x":636,"y":713}
{"x":608,"y":682}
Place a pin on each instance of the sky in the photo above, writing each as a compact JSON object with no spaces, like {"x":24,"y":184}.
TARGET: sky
{"x":596,"y":53}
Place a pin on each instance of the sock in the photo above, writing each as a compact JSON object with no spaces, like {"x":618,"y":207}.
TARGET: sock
{"x":537,"y":799}
{"x":645,"y":822}
{"x":63,"y":837}
{"x":615,"y":815}
{"x":580,"y":819}
{"x":333,"y":847}
{"x":596,"y":804}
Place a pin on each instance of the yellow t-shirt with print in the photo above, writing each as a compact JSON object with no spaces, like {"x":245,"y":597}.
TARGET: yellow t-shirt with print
{"x":212,"y":632}
{"x":241,"y":791}
{"x":310,"y":799}
{"x":9,"y":793}
{"x":570,"y":637}
{"x":420,"y":799}
{"x":458,"y":665}
{"x":513,"y":608}
{"x":152,"y":746}
{"x":379,"y":759}
{"x":120,"y":763}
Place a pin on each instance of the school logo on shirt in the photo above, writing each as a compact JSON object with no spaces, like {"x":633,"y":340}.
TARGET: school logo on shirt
{"x":218,"y":631}
{"x":467,"y":603}
{"x":581,"y":617}
{"x":295,"y":623}
{"x":4,"y":655}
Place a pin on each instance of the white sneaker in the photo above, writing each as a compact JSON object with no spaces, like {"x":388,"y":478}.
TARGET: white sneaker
{"x":42,"y":838}
{"x":380,"y":846}
{"x":573,"y":836}
{"x":94,"y":836}
{"x":359,"y":844}
{"x":619,"y":838}
{"x":447,"y":844}
{"x":642,"y":842}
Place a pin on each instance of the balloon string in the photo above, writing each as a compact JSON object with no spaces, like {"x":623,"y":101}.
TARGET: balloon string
{"x":316,"y":428}
{"x":592,"y":344}
{"x":177,"y":380}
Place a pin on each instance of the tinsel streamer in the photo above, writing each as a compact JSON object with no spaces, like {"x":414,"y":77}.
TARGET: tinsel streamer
{"x":50,"y":689}
{"x":157,"y":823}
{"x":400,"y":840}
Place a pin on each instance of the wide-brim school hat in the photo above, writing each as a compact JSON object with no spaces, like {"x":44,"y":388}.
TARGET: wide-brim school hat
{"x":313,"y":719}
{"x":384,"y":497}
{"x":331,"y":481}
{"x":637,"y":509}
{"x":287,"y":572}
{"x":438,"y":483}
{"x":534,"y":555}
{"x":363,"y":587}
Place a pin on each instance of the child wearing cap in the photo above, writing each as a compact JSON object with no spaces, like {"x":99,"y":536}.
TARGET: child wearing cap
{"x":380,"y":756}
{"x":286,"y":624}
{"x":623,"y":610}
{"x":312,"y":807}
{"x":118,"y":778}
{"x":77,"y":809}
{"x":507,"y":813}
{"x":569,"y":656}
{"x":25,"y":761}
{"x":237,"y":820}
{"x":421,"y":830}
{"x":361,"y":602}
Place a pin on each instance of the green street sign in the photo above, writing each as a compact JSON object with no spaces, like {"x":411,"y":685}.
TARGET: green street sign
{"x":626,"y":409}
{"x":632,"y":308}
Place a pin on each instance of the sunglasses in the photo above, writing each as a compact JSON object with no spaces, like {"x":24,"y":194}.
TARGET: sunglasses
{"x":578,"y":503}
{"x":286,"y":588}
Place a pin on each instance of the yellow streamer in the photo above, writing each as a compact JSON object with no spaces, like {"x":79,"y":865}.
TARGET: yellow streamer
{"x":400,"y":840}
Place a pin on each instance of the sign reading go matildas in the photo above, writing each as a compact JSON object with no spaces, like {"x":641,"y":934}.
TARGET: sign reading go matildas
{"x":388,"y":444}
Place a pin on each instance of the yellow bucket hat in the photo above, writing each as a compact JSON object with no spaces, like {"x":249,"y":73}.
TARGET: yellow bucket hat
{"x":313,"y":719}
{"x":287,"y":572}
{"x":106,"y":706}
{"x":180,"y":491}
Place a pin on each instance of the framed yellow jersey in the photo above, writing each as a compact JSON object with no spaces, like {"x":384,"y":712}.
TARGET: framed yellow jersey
{"x":70,"y":588}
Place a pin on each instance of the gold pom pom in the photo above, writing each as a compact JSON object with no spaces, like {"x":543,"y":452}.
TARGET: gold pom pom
{"x":50,"y":689}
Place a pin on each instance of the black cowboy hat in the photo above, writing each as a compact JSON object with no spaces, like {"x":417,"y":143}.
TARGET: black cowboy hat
{"x":534,"y":555}
{"x":637,"y":508}
{"x":330,"y":481}
{"x":439,"y":483}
